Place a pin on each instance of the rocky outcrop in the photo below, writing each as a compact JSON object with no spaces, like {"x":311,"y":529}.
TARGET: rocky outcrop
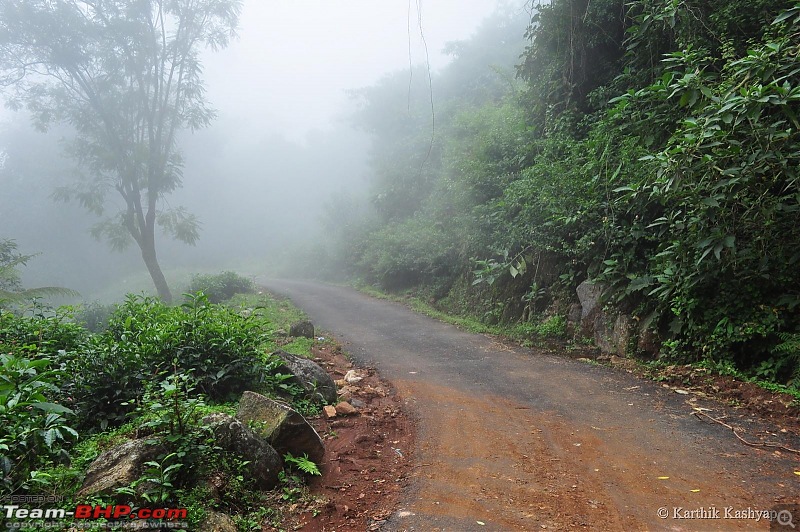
{"x":302,"y":329}
{"x":118,"y":467}
{"x":589,"y":295}
{"x":309,"y":376}
{"x":613,"y":332}
{"x":264,"y":462}
{"x":284,"y":429}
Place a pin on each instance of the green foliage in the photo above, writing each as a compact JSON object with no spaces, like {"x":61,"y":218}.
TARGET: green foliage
{"x":405,"y":254}
{"x":156,"y":368}
{"x":34,"y":431}
{"x":157,"y":481}
{"x":146,"y":339}
{"x":722,"y":204}
{"x":41,"y":331}
{"x":575,"y":48}
{"x":36,"y":428}
{"x":168,"y":406}
{"x":94,"y":316}
{"x":787,"y":359}
{"x":10,"y":259}
{"x":302,"y":463}
{"x":654,"y":148}
{"x":222,"y":286}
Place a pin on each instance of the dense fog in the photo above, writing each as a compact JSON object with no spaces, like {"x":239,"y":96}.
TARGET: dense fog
{"x":272,"y":168}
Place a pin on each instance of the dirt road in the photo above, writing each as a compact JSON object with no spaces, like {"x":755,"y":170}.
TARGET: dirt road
{"x":512,"y":439}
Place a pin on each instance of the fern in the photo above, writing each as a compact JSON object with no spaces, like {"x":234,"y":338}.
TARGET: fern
{"x":13,"y":298}
{"x":11,"y":291}
{"x":302,"y":463}
{"x":790,"y":343}
{"x":789,"y":348}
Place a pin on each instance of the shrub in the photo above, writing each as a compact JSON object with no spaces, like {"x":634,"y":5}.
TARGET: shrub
{"x":147,"y":340}
{"x":221,"y":286}
{"x":40,"y":333}
{"x":94,"y":316}
{"x":34,"y":431}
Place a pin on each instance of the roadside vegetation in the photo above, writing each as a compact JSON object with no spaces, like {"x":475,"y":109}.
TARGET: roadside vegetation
{"x":650,"y":147}
{"x":148,"y":369}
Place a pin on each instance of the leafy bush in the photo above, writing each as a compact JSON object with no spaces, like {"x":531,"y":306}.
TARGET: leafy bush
{"x":155,"y":370}
{"x":94,"y":316}
{"x":41,"y":332}
{"x":34,"y":431}
{"x":147,"y":340}
{"x":406,"y":254}
{"x":222,"y":286}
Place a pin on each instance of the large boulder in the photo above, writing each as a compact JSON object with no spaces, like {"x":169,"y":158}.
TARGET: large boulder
{"x":590,"y":295}
{"x":118,"y":467}
{"x":285,"y":429}
{"x":234,"y":436}
{"x":309,"y":376}
{"x":615,"y":333}
{"x":303,"y":329}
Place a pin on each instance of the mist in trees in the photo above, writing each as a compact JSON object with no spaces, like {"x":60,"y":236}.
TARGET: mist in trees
{"x":126,"y":77}
{"x":649,"y":147}
{"x":249,"y":188}
{"x":490,"y":161}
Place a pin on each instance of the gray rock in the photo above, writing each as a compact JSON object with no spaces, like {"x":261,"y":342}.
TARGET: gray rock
{"x":574,"y":313}
{"x":118,"y":467}
{"x":217,"y":522}
{"x":611,"y":332}
{"x":358,"y":403}
{"x":285,"y":429}
{"x":310,"y":376}
{"x":622,"y":334}
{"x":303,"y":329}
{"x":234,"y":436}
{"x":589,"y":295}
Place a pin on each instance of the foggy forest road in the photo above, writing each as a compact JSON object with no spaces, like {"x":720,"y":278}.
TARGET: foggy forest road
{"x":514,"y":439}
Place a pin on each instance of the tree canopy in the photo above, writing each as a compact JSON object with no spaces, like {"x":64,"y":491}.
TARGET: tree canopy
{"x":127,"y":77}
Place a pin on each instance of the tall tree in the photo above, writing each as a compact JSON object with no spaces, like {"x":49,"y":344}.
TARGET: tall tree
{"x":126,"y":75}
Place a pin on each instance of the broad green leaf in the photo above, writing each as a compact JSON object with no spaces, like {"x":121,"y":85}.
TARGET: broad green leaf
{"x":52,"y":408}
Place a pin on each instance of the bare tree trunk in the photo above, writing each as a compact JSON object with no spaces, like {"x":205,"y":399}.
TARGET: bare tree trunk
{"x":151,"y":261}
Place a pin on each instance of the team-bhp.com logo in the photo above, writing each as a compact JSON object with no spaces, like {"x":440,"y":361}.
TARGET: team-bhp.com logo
{"x":13,"y":512}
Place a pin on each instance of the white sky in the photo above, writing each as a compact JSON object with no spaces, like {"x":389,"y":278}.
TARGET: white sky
{"x":294,"y":59}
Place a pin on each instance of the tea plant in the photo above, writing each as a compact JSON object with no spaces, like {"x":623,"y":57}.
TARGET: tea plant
{"x":222,"y":286}
{"x":33,"y":430}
